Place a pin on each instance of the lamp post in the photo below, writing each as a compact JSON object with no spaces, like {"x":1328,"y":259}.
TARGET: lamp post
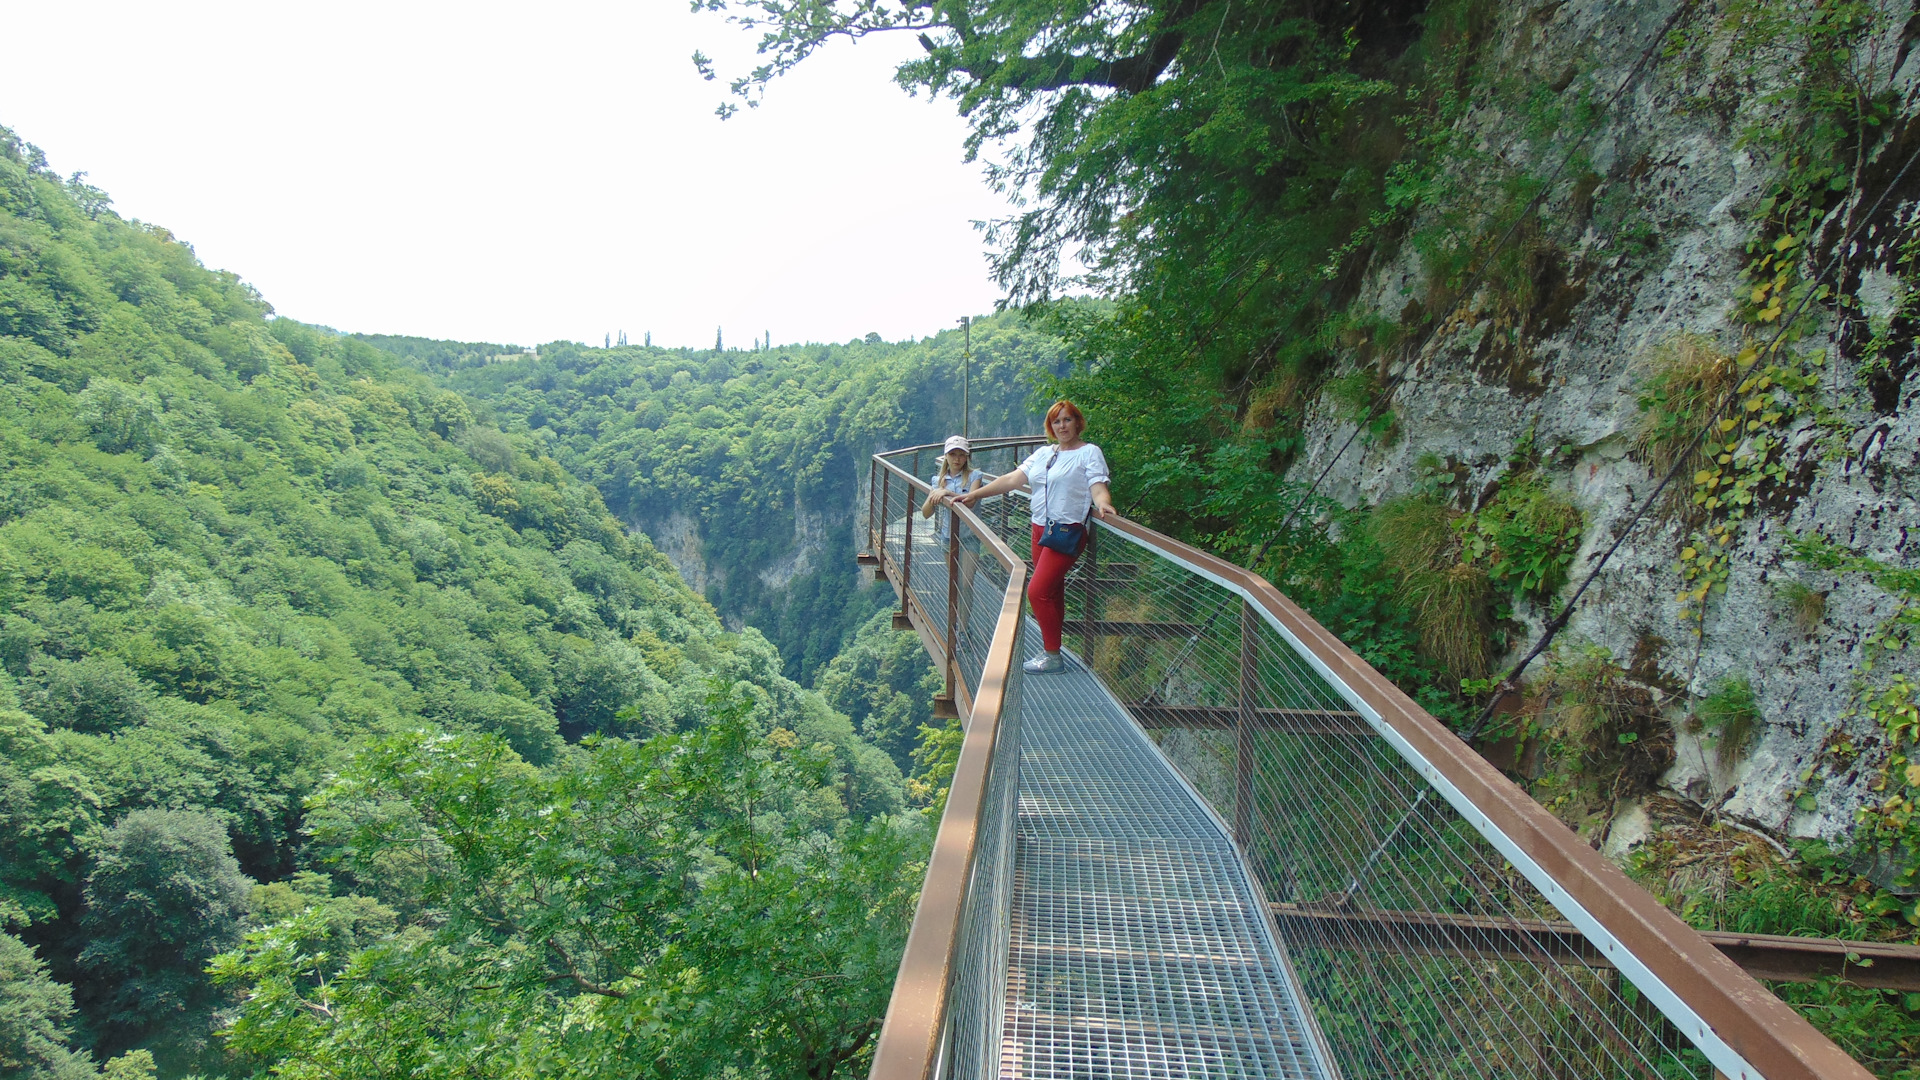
{"x":966,"y":371}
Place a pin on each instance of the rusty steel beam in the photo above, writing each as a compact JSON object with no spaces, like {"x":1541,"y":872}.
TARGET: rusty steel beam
{"x":1797,"y":959}
{"x":1226,"y":717}
{"x":1763,"y":956}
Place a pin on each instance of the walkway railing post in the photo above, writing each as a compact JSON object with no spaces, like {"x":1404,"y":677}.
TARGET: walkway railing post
{"x":1243,"y":727}
{"x":1088,"y":574}
{"x":873,"y":479}
{"x":886,"y":500}
{"x":953,"y":604}
{"x":906,"y":561}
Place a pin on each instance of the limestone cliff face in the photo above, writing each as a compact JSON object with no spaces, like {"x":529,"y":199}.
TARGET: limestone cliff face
{"x":1647,"y":244}
{"x":678,"y":538}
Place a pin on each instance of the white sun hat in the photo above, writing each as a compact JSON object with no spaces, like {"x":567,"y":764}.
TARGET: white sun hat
{"x":957,"y":442}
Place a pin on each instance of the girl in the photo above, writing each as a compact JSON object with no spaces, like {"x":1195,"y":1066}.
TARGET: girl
{"x":957,"y":476}
{"x":1069,"y":479}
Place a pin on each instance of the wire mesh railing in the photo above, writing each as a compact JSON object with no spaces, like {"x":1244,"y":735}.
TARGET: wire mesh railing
{"x":960,"y":587}
{"x":1440,"y":922}
{"x":1443,"y":923}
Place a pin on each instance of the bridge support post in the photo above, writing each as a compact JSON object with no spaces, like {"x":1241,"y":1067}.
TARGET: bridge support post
{"x":1243,"y":727}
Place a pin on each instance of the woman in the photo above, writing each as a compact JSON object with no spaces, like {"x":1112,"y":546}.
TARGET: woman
{"x":1068,"y":479}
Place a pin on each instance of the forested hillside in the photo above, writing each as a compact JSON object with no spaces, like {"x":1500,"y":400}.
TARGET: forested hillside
{"x":303,"y":664}
{"x":744,"y":465}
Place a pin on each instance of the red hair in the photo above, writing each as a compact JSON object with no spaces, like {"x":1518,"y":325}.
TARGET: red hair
{"x":1068,"y":407}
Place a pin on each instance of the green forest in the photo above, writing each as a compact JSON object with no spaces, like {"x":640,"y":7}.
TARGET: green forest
{"x":354,"y":727}
{"x":743,"y":444}
{"x":277,"y":608}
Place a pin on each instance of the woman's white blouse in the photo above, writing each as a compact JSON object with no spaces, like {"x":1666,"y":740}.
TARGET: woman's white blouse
{"x":1064,"y":492}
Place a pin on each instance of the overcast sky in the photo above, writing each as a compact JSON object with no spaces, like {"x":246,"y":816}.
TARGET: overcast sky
{"x":512,"y":173}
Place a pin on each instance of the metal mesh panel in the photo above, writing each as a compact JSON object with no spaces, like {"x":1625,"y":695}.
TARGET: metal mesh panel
{"x":980,"y":962}
{"x":1421,"y":950}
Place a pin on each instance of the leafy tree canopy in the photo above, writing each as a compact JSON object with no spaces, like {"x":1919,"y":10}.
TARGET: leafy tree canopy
{"x":34,"y":1014}
{"x":698,"y":904}
{"x":164,"y":896}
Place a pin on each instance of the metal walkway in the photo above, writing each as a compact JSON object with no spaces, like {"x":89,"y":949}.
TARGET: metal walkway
{"x":1139,"y":947}
{"x":1138,"y":944}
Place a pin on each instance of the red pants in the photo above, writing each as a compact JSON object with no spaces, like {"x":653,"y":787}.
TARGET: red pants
{"x":1047,"y":590}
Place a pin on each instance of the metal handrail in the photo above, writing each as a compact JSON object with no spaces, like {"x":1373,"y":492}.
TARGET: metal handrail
{"x":910,"y":1037}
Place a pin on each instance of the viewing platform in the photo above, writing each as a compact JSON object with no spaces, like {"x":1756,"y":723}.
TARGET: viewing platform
{"x":1219,"y":844}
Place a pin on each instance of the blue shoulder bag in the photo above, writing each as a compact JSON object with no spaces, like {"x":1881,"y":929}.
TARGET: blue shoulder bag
{"x":1065,"y":537}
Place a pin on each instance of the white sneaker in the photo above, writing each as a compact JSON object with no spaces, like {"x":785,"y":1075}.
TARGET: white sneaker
{"x":1045,"y":662}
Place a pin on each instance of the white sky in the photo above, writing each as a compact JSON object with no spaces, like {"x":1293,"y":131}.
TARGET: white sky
{"x":512,"y":172}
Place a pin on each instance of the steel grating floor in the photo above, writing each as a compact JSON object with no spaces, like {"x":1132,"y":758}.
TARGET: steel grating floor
{"x":1137,"y":947}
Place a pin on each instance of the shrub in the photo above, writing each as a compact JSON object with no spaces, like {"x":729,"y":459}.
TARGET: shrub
{"x":1804,"y":604}
{"x":1353,"y":397}
{"x":1729,"y":716}
{"x":1601,"y":736}
{"x":1416,"y":531}
{"x":1530,"y":532}
{"x":1686,"y":380}
{"x":1448,"y":598}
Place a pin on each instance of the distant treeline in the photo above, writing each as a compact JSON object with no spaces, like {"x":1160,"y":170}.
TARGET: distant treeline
{"x":431,"y":355}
